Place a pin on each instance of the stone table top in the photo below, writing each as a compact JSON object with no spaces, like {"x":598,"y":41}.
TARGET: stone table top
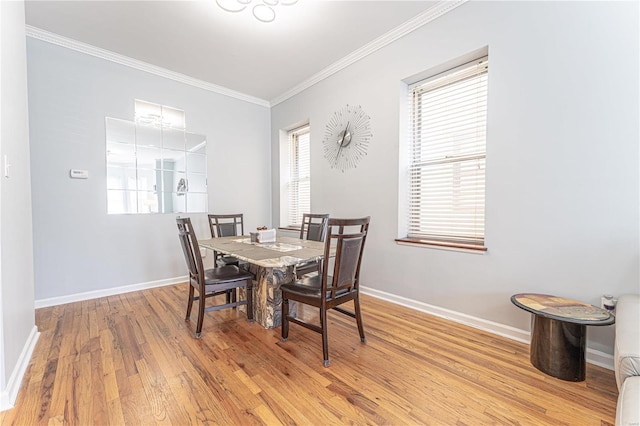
{"x":285,"y":251}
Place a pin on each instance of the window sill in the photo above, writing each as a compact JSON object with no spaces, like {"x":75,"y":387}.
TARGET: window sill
{"x":443,"y":245}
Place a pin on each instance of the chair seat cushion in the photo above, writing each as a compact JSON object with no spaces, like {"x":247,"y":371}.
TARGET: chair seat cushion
{"x":225,"y":274}
{"x":309,"y":286}
{"x":228,"y":260}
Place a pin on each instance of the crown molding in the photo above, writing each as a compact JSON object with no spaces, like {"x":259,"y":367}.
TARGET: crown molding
{"x":413,"y":24}
{"x":88,"y":49}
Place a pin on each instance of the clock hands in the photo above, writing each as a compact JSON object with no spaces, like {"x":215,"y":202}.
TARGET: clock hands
{"x":344,"y":134}
{"x":342,"y":138}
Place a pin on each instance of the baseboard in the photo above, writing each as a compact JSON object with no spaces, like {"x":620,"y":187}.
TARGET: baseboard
{"x":599,"y":358}
{"x":77,"y":297}
{"x":593,"y":356}
{"x":8,"y":396}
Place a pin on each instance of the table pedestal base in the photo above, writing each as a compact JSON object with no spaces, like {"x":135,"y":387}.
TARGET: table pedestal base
{"x":267,"y":297}
{"x":558,"y":348}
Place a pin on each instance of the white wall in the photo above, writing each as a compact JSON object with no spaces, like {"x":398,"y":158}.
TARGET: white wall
{"x":562,"y":157}
{"x":17,"y":321}
{"x":77,"y":246}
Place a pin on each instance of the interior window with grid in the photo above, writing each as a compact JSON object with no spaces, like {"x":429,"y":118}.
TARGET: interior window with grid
{"x":447,"y":157}
{"x":299,"y":175}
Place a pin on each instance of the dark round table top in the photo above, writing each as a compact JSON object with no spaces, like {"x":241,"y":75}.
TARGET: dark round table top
{"x":562,"y":309}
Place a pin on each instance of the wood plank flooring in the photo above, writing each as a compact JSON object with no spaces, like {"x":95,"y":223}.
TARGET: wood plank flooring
{"x":132,"y":359}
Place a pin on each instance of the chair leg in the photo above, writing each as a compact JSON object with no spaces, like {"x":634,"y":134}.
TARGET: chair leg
{"x":189,"y":303}
{"x":356,"y":303}
{"x":325,"y":342}
{"x":201,"y":303}
{"x":250,"y":300}
{"x":285,"y":321}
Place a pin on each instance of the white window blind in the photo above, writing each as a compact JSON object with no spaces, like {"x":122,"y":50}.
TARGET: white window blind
{"x":447,"y":158}
{"x":299,"y":175}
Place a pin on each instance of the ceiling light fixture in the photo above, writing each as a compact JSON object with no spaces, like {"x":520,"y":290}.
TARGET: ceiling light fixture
{"x":263,"y":10}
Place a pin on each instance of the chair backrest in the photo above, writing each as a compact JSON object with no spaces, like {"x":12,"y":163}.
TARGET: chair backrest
{"x":190,"y":248}
{"x":314,"y":226}
{"x":226,"y":225}
{"x":348,"y":236}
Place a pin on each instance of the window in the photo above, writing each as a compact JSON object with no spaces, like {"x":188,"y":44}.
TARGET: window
{"x":447,"y":157}
{"x":153,"y":164}
{"x":299,"y":179}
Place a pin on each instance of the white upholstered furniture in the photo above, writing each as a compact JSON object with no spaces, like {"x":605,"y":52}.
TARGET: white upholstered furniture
{"x":627,"y":359}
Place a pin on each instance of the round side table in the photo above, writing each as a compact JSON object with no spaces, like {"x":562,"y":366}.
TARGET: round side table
{"x":559,"y":332}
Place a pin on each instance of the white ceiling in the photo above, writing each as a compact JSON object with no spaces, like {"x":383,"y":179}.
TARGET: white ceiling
{"x":232,"y":50}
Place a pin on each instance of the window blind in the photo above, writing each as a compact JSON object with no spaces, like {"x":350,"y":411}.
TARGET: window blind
{"x":300,"y":175}
{"x":447,"y":157}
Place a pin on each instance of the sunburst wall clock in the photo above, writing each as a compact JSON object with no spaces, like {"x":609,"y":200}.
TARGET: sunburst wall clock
{"x":347,"y":137}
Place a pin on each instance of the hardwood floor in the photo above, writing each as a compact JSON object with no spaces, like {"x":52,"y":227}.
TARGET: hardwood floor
{"x":132,"y":359}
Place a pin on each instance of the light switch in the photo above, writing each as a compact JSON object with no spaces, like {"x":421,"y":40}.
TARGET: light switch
{"x":7,"y":166}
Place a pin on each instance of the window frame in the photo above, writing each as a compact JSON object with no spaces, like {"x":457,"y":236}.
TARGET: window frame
{"x":455,"y":72}
{"x":291,"y":192}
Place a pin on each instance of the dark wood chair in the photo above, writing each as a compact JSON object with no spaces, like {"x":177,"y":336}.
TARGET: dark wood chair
{"x":211,"y":282}
{"x":333,"y":287}
{"x":226,"y":225}
{"x":314,"y":227}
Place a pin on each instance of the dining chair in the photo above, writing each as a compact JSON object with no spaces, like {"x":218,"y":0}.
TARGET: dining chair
{"x":211,"y":282}
{"x":226,"y":225}
{"x":331,"y":288}
{"x":314,"y":227}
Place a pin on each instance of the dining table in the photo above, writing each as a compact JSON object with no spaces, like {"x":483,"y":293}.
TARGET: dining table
{"x":273,"y":264}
